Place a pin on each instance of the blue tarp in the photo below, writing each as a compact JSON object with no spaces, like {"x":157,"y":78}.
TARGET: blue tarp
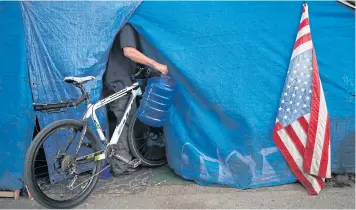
{"x":69,"y":39}
{"x":229,"y":60}
{"x":17,"y":116}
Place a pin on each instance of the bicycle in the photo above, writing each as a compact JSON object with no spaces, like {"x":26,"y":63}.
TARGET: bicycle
{"x":68,"y":162}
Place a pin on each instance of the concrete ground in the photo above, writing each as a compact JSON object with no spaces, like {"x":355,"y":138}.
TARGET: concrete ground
{"x":160,"y":188}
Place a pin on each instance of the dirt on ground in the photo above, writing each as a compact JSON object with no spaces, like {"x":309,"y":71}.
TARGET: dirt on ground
{"x":341,"y":180}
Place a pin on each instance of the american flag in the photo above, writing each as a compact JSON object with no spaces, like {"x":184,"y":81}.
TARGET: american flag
{"x":302,"y":129}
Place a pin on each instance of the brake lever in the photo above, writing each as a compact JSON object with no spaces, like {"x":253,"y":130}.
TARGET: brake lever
{"x":139,"y":72}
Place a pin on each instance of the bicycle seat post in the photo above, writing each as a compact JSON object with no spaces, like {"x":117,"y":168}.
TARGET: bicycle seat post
{"x":78,"y":82}
{"x":82,"y":89}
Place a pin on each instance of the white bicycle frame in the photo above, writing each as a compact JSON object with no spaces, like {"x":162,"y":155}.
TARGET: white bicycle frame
{"x":135,"y":91}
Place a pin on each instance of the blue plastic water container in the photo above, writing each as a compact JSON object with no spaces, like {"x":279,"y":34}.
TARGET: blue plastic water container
{"x":156,"y":101}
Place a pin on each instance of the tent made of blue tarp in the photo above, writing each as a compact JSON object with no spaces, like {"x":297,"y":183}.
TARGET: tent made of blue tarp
{"x":17,"y":115}
{"x":229,"y":60}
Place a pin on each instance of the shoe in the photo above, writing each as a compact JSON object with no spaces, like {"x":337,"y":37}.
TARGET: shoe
{"x":132,"y":169}
{"x":128,"y":171}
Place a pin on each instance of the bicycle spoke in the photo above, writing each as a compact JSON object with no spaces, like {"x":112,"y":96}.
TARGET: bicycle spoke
{"x":151,"y":149}
{"x":149,"y":152}
{"x":143,"y":145}
{"x":63,"y":172}
{"x":41,"y":166}
{"x":140,"y":139}
{"x":40,"y":160}
{"x":41,"y":174}
{"x":41,"y":181}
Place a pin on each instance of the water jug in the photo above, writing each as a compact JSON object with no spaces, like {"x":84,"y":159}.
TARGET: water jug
{"x":156,"y":101}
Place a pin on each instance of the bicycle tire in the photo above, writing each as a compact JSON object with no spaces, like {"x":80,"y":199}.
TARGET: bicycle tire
{"x":30,"y":180}
{"x":135,"y":151}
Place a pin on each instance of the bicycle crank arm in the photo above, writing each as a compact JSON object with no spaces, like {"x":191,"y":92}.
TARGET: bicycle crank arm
{"x":133,"y":164}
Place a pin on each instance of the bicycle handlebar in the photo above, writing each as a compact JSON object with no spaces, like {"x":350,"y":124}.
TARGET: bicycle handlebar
{"x":145,"y":73}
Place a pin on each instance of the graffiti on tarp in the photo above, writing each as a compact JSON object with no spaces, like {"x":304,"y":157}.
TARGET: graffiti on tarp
{"x":231,"y":169}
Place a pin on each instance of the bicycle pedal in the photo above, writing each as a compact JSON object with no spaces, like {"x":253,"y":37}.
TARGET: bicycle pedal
{"x":135,"y":163}
{"x":119,"y":157}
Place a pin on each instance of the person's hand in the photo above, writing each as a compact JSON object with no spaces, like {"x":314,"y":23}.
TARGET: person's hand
{"x":162,"y":68}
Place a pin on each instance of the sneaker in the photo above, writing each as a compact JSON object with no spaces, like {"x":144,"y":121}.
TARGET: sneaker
{"x":117,"y":173}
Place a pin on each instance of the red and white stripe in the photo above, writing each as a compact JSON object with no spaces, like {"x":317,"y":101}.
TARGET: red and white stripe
{"x":303,"y":41}
{"x":317,"y":149}
{"x":305,"y":144}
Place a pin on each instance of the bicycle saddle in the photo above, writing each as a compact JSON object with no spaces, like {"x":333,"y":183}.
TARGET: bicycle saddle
{"x":78,"y":80}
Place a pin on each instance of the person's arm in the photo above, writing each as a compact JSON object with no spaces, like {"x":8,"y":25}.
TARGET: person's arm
{"x":128,"y":43}
{"x":138,"y":57}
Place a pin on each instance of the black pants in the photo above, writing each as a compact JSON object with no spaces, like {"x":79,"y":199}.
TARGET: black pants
{"x":118,"y":107}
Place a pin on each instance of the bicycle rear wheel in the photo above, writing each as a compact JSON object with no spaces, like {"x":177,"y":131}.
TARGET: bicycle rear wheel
{"x":53,"y":173}
{"x":147,"y":143}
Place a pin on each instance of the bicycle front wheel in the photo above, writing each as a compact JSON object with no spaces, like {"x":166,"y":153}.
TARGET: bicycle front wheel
{"x":147,"y":143}
{"x":53,"y":173}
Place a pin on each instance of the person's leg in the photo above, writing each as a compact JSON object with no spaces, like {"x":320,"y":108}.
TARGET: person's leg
{"x":118,"y":107}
